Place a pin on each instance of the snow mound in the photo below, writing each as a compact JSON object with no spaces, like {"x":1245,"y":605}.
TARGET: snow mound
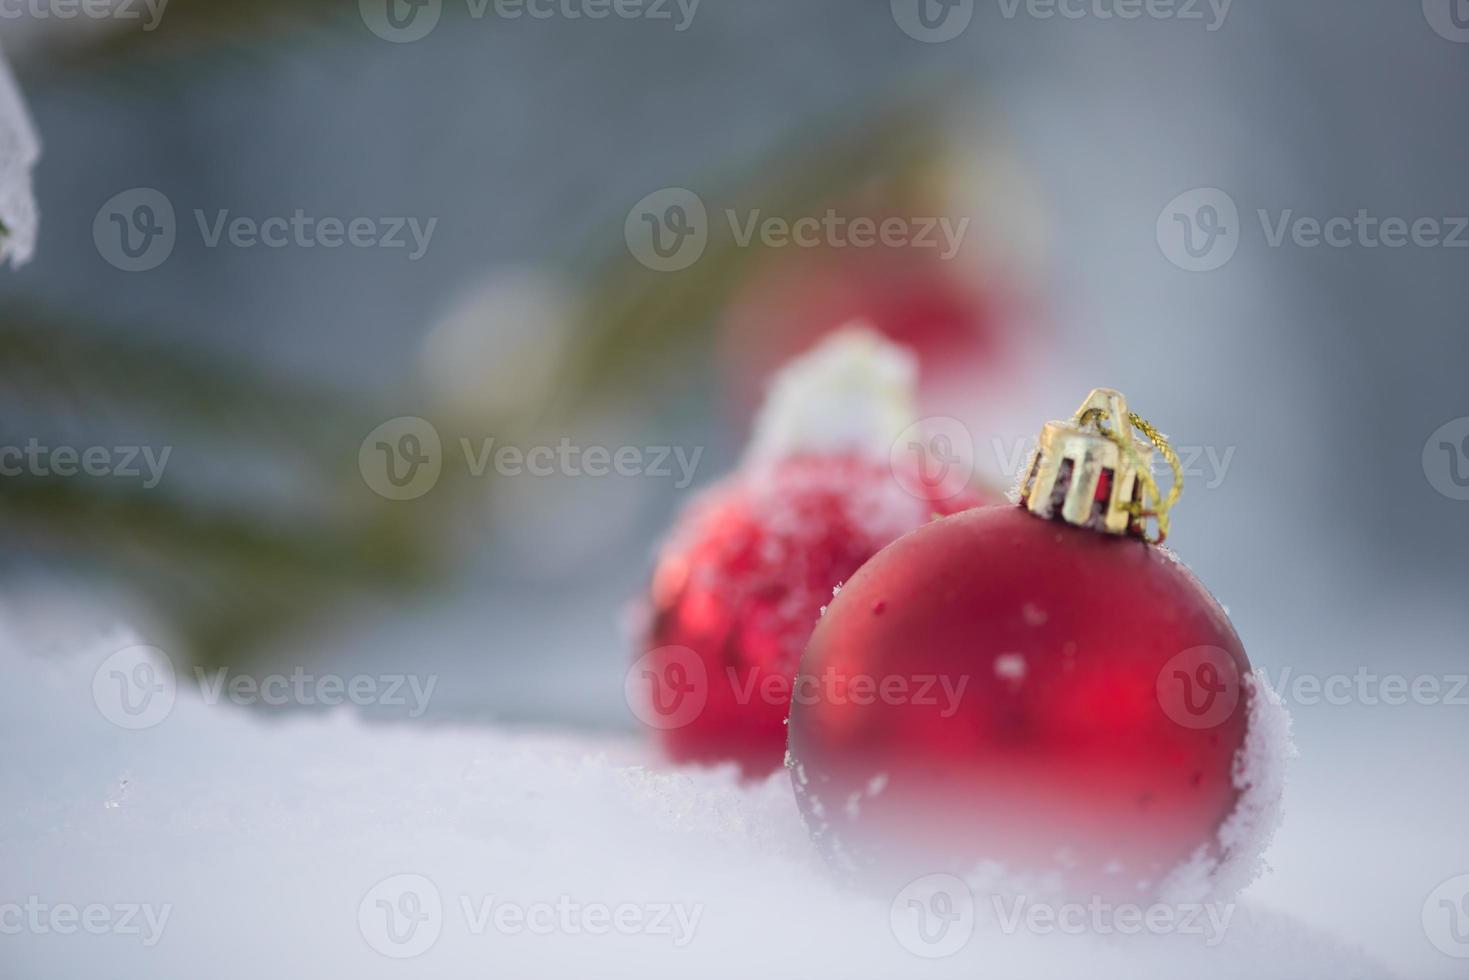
{"x":320,"y":845}
{"x":1259,"y":774}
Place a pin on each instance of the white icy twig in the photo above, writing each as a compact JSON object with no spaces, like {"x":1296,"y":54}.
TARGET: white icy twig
{"x":19,"y":150}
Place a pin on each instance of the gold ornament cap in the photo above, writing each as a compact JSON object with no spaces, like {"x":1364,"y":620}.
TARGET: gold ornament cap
{"x":1093,"y":472}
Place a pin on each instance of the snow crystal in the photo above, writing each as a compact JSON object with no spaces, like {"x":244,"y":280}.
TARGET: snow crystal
{"x":1010,"y":666}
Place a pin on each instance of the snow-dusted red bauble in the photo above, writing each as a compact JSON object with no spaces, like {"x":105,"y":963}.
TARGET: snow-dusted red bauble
{"x":744,"y":578}
{"x":745,"y":573}
{"x":999,"y":692}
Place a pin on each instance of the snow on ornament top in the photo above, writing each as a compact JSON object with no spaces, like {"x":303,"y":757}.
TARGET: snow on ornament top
{"x":19,"y":150}
{"x":854,"y":393}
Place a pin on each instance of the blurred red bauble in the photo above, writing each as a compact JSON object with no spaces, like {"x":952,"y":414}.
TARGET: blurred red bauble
{"x":956,"y":326}
{"x":1054,"y":702}
{"x":828,"y":479}
{"x":743,"y":579}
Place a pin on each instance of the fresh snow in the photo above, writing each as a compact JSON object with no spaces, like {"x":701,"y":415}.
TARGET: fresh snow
{"x":251,"y":846}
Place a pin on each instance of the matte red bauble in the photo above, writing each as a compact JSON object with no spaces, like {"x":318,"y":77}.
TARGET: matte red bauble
{"x":1009,"y":688}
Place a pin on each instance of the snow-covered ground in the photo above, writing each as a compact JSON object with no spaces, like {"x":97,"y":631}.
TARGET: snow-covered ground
{"x":219,"y":842}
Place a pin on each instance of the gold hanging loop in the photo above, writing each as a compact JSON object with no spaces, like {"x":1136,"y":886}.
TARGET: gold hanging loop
{"x":1095,"y":474}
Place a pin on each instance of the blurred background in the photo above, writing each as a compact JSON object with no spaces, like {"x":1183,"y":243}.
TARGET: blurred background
{"x":529,"y":191}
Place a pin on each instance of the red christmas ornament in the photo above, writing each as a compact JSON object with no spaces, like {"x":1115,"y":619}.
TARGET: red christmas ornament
{"x":1001,"y":691}
{"x":748,"y":569}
